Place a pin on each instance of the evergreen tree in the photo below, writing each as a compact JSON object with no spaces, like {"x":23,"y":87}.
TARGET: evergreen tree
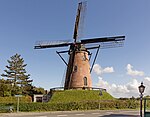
{"x":16,"y":73}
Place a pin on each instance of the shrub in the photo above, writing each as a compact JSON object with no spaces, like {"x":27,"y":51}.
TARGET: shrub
{"x":24,"y":99}
{"x":68,"y":106}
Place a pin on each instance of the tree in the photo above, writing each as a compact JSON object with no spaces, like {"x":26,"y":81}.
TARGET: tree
{"x":38,"y":90}
{"x":17,"y":74}
{"x":5,"y":88}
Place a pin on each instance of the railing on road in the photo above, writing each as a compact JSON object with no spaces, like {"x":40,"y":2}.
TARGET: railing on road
{"x":146,"y":110}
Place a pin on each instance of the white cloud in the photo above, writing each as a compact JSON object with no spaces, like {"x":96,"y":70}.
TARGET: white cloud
{"x":132,"y":72}
{"x":99,"y":70}
{"x":128,"y":90}
{"x":108,"y":70}
{"x":146,"y":82}
{"x":147,"y":79}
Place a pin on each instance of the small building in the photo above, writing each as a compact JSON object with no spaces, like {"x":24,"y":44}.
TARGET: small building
{"x":40,"y":98}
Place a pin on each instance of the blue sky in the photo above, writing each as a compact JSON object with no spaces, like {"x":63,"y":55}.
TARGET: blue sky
{"x":23,"y":22}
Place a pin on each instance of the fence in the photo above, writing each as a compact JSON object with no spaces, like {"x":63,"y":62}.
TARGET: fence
{"x":146,"y":107}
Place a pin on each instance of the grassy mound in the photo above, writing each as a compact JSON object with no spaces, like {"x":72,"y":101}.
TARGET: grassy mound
{"x":79,"y":96}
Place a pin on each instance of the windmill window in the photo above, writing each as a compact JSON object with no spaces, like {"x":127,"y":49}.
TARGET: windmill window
{"x":75,"y":68}
{"x":83,"y":58}
{"x":85,"y":81}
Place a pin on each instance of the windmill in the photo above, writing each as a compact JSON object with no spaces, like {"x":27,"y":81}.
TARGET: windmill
{"x":78,"y":73}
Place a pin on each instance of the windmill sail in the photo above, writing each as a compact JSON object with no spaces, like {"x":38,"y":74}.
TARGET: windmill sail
{"x":78,"y":29}
{"x":105,"y":42}
{"x":51,"y":44}
{"x":103,"y":39}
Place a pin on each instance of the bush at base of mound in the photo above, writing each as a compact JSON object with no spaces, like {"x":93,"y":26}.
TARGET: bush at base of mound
{"x":86,"y":105}
{"x":23,"y":99}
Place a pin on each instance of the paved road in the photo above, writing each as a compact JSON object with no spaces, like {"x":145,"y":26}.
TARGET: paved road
{"x":101,"y":113}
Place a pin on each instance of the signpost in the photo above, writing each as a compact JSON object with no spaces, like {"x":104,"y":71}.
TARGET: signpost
{"x":18,"y":96}
{"x":100,"y":94}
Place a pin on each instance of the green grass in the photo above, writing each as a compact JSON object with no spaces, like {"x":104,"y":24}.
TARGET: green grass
{"x":78,"y":96}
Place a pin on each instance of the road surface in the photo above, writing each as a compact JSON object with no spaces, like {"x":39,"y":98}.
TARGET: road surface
{"x":101,"y":113}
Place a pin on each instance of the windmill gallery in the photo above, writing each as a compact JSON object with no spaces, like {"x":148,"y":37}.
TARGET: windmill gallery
{"x":78,"y":73}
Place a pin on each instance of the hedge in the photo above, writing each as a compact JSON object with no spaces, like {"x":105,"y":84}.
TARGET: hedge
{"x":24,"y":99}
{"x":84,"y":105}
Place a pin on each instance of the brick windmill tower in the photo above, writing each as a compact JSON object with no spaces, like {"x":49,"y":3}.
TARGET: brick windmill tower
{"x":78,"y":73}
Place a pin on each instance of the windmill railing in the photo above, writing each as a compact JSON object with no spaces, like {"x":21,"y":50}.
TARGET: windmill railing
{"x":76,"y":88}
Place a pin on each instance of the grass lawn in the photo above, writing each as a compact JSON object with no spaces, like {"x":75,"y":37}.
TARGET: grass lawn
{"x":79,"y":95}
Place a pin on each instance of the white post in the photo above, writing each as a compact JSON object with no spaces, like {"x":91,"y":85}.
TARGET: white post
{"x":18,"y":96}
{"x":100,"y":94}
{"x":18,"y":105}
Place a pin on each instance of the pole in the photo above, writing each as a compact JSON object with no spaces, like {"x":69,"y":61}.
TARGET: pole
{"x":18,"y":105}
{"x":144,"y":106}
{"x":141,"y":105}
{"x":99,"y":105}
{"x":100,"y":94}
